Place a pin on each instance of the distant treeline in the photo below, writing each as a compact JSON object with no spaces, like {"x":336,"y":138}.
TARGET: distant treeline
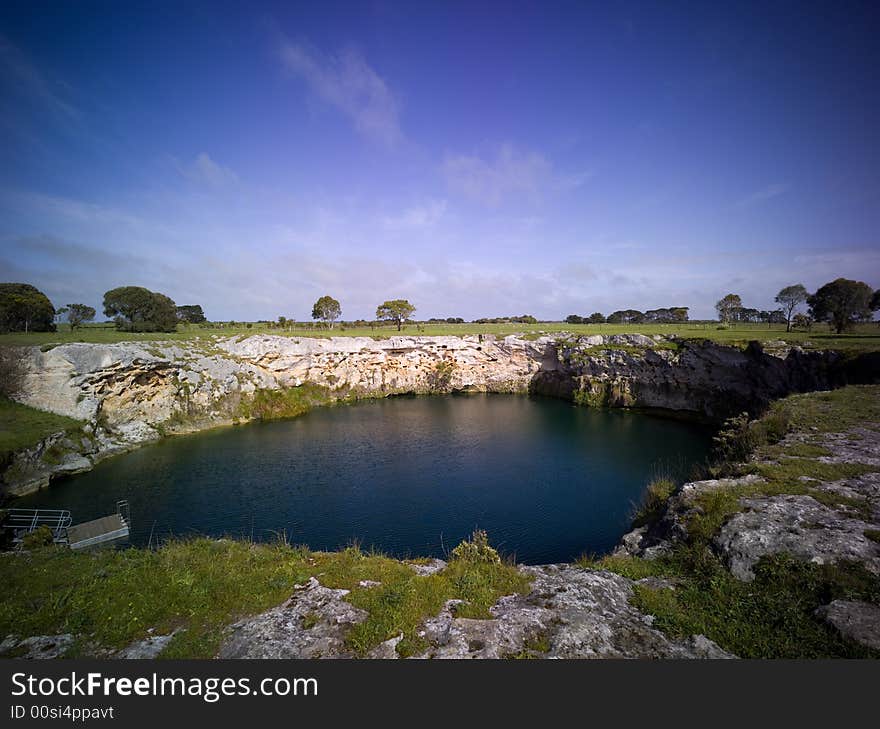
{"x":24,"y":308}
{"x":671,"y":315}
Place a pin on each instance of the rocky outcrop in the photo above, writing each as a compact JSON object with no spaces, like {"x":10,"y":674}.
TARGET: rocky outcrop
{"x":132,"y":393}
{"x":799,"y":526}
{"x":313,"y":623}
{"x":37,"y":647}
{"x":570,"y":612}
{"x":823,"y":522}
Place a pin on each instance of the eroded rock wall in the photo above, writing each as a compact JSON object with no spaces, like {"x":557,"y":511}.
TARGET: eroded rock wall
{"x":131,"y":393}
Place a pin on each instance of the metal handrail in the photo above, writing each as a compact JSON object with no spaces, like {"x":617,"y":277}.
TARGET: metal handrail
{"x":24,"y":521}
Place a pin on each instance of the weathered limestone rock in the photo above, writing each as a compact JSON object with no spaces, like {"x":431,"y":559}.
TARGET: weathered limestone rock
{"x":569,"y":613}
{"x":429,"y":568}
{"x":37,"y":646}
{"x":795,"y":525}
{"x":313,"y":623}
{"x":690,"y":376}
{"x":149,"y":647}
{"x":859,"y":621}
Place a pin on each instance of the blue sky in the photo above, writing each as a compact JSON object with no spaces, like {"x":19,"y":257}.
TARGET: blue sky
{"x":479,"y":159}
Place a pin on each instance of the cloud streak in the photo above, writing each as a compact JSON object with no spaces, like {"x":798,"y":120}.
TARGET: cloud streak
{"x":763,"y":195}
{"x":22,"y":75}
{"x":511,"y":174}
{"x":205,"y":171}
{"x":348,"y":83}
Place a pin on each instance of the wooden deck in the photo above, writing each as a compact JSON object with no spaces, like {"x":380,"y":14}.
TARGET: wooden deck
{"x":98,"y":531}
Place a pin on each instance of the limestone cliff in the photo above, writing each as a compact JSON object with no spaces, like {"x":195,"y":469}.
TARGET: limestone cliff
{"x":131,"y":393}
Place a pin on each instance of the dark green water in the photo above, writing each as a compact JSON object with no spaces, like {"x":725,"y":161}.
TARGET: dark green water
{"x":411,"y":476}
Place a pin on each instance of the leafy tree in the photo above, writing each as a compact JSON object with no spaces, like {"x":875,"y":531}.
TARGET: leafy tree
{"x":24,"y":308}
{"x":77,"y":314}
{"x":842,"y":302}
{"x":626,"y":316}
{"x":791,"y":297}
{"x":60,"y":312}
{"x":191,"y":314}
{"x":679,"y":313}
{"x":802,"y":321}
{"x":670,"y":315}
{"x":327,"y":309}
{"x":596,"y":318}
{"x":875,"y":301}
{"x":728,"y":307}
{"x":397,"y":310}
{"x":137,"y":309}
{"x":574,"y":319}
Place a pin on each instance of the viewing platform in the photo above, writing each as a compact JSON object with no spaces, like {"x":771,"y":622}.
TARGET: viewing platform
{"x":105,"y":530}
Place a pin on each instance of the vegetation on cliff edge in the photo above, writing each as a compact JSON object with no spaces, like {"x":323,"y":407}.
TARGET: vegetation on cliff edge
{"x":109,"y":599}
{"x":773,"y":616}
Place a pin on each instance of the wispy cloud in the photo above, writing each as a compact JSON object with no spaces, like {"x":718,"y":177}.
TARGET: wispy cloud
{"x":347,"y":82}
{"x":763,"y":195}
{"x":204,"y":170}
{"x":26,"y":79}
{"x":424,"y":215}
{"x":511,"y":173}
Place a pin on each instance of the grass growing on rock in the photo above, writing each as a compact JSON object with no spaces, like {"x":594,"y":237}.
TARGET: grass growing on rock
{"x":774,"y":615}
{"x":285,"y":403}
{"x":403,"y":599}
{"x":109,"y":599}
{"x":654,"y":500}
{"x":771,"y":617}
{"x":22,"y":426}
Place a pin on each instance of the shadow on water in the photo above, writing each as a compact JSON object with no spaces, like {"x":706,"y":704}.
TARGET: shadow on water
{"x":409,"y":475}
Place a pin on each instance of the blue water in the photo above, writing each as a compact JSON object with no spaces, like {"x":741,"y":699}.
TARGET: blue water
{"x":409,"y":475}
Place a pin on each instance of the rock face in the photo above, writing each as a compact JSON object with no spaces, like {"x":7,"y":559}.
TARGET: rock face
{"x":133,"y":393}
{"x":691,"y":376}
{"x":570,"y":612}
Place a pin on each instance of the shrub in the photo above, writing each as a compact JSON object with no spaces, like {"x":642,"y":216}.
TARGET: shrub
{"x":39,"y":537}
{"x":476,"y":550}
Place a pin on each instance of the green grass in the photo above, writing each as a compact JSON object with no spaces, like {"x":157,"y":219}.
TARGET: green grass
{"x":862,"y":337}
{"x":21,"y":426}
{"x":109,"y":599}
{"x":771,"y":617}
{"x":774,"y":615}
{"x":831,"y":412}
{"x":285,"y":403}
{"x":654,"y":500}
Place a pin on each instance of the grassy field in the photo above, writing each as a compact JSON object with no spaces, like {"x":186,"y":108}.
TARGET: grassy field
{"x":862,"y":337}
{"x":21,"y":426}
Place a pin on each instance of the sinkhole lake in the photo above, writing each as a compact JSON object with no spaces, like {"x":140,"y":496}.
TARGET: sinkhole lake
{"x":410,"y":476}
